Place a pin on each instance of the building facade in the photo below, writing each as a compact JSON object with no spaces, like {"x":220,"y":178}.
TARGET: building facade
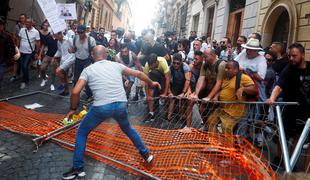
{"x":101,"y":14}
{"x":122,"y":16}
{"x":287,"y":21}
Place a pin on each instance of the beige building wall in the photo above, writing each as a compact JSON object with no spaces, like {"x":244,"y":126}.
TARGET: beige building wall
{"x":298,"y":21}
{"x":123,"y":19}
{"x":101,"y":14}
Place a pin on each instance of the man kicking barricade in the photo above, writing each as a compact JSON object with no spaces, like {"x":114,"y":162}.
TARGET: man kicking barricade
{"x":105,"y":80}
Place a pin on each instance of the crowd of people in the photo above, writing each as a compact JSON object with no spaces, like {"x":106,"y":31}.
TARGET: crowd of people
{"x":189,"y":68}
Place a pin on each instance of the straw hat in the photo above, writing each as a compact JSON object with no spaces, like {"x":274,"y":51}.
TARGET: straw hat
{"x":252,"y":44}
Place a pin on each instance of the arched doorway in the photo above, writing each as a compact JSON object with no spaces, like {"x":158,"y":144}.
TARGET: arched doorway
{"x":281,"y":29}
{"x":280,"y":23}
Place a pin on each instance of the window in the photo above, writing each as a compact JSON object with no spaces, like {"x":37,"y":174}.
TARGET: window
{"x":183,"y":15}
{"x":195,"y":22}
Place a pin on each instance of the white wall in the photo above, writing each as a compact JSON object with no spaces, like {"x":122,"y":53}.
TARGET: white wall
{"x":222,"y":14}
{"x":195,"y":9}
{"x":250,"y":17}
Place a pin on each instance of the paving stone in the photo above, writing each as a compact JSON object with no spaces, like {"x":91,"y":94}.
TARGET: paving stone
{"x":20,"y":163}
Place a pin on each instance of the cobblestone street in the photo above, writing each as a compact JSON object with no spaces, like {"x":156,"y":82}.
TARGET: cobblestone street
{"x":17,"y":160}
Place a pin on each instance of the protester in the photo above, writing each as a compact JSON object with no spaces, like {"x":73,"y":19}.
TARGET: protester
{"x":129,"y":59}
{"x":109,"y":102}
{"x":8,"y":50}
{"x":196,"y":47}
{"x":180,"y":80}
{"x":29,"y":46}
{"x":66,"y":61}
{"x":82,"y":47}
{"x":101,"y":39}
{"x":157,"y":70}
{"x":229,"y":115}
{"x":294,"y":83}
{"x":47,"y":41}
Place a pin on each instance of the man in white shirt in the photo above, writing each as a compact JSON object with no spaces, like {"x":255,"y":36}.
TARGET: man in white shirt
{"x":196,"y":47}
{"x":252,"y":61}
{"x":71,"y":33}
{"x":105,"y":80}
{"x":29,"y":46}
{"x":66,"y":60}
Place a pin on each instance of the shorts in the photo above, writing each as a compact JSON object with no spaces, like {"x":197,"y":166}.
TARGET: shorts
{"x":65,"y":65}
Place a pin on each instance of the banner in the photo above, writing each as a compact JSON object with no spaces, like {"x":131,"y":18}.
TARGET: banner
{"x":51,"y":13}
{"x":67,"y":11}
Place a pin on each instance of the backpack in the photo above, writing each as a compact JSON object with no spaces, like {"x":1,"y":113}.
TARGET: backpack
{"x":90,"y":48}
{"x":238,"y":84}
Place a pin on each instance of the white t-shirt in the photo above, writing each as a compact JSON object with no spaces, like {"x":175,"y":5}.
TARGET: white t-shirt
{"x":257,"y":64}
{"x":104,"y":78}
{"x":70,"y":34}
{"x":33,"y":35}
{"x":82,"y":51}
{"x":63,"y":48}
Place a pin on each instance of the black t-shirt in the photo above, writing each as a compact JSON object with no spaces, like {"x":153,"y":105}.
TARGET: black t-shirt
{"x":296,"y":84}
{"x":280,"y":64}
{"x":50,"y":42}
{"x":158,"y":49}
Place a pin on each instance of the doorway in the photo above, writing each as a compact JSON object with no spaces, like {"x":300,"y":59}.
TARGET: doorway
{"x":281,"y":29}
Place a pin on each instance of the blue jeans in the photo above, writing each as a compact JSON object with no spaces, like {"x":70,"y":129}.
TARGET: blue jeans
{"x":96,"y":115}
{"x":25,"y":60}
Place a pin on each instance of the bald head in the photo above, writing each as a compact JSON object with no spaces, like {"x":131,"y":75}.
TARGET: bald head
{"x":99,"y":53}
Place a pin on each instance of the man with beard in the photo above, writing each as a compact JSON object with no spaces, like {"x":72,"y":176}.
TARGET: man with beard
{"x":129,"y":59}
{"x":241,"y":40}
{"x":226,"y":53}
{"x":294,"y":84}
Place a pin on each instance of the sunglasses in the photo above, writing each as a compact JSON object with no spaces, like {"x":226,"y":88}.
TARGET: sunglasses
{"x":176,"y":63}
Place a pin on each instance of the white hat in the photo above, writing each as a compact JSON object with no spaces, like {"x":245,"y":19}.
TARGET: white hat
{"x":252,"y":44}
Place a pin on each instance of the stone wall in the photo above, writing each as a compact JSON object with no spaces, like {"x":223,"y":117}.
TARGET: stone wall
{"x":299,"y":28}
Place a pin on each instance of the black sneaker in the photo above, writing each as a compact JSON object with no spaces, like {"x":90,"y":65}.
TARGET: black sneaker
{"x":73,"y":173}
{"x":148,"y":158}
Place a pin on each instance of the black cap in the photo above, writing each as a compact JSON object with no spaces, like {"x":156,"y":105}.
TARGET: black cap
{"x":81,"y":28}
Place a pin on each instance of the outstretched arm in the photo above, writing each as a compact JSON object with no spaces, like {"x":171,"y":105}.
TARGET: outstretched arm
{"x":130,"y":72}
{"x":75,"y":97}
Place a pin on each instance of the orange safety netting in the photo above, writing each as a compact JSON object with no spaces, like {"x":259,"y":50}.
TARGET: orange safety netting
{"x":195,"y":155}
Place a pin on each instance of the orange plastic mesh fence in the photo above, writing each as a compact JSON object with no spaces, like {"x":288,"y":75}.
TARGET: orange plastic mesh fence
{"x":195,"y":155}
